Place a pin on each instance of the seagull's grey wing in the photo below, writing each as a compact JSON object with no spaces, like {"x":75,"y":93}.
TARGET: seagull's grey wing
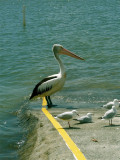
{"x":108,"y":105}
{"x":81,"y":118}
{"x":85,"y":119}
{"x":65,"y":116}
{"x":109,"y":115}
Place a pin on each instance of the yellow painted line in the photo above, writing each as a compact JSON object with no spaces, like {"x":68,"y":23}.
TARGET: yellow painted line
{"x":44,"y":102}
{"x":72,"y":146}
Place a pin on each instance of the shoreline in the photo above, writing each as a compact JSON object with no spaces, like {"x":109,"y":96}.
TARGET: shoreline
{"x":44,"y":142}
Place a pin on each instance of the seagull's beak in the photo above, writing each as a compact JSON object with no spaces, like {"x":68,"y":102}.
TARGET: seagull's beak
{"x":67,"y":52}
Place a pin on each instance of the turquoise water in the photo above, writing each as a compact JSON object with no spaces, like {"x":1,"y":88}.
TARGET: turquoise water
{"x":89,"y":28}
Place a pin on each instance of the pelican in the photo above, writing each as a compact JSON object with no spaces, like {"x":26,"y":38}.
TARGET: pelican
{"x":53,"y":83}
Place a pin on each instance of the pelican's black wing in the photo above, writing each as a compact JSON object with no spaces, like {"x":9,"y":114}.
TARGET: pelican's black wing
{"x":38,"y":92}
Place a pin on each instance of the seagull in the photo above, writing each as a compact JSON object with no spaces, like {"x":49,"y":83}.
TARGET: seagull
{"x":85,"y":119}
{"x":110,"y":104}
{"x":110,"y":114}
{"x":67,"y":116}
{"x":53,"y":83}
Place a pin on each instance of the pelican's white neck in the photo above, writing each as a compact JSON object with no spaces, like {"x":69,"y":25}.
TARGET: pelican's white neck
{"x":62,"y":69}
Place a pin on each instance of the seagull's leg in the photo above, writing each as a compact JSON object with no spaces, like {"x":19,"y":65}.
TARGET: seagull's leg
{"x":69,"y":124}
{"x":109,"y":122}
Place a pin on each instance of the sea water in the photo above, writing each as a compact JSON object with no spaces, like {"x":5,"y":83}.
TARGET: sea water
{"x":89,"y":28}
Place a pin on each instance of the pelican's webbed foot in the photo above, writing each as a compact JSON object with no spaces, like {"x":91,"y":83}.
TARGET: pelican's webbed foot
{"x":49,"y":102}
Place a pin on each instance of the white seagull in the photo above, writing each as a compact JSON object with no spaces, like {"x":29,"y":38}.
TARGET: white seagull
{"x":53,"y":83}
{"x":85,"y":119}
{"x":110,"y":104}
{"x":110,"y":114}
{"x":67,"y":116}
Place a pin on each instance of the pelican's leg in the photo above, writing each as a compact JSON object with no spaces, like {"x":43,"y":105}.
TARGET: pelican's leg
{"x":49,"y":102}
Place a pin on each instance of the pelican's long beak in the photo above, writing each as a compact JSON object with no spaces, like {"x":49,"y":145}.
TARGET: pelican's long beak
{"x":67,"y":52}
